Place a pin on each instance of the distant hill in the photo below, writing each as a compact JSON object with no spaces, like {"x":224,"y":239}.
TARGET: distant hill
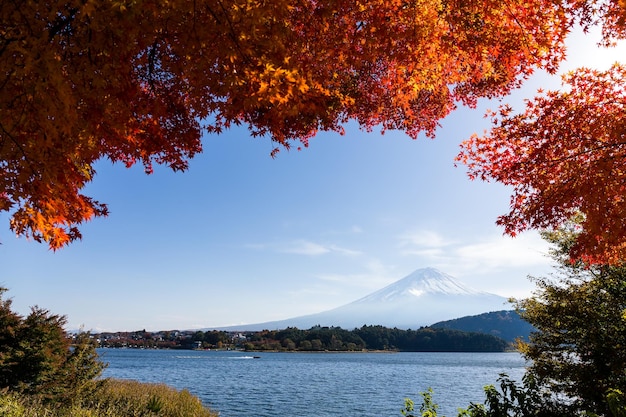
{"x":506,"y":324}
{"x":423,"y":297}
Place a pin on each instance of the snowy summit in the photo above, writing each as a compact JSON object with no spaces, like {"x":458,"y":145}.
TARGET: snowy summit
{"x":421,"y":282}
{"x":422,"y":298}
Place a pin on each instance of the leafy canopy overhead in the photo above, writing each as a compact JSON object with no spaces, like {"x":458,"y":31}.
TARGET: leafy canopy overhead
{"x":140,"y":81}
{"x":565,"y":154}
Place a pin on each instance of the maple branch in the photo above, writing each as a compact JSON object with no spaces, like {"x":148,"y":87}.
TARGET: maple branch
{"x":7,"y":78}
{"x":62,"y":23}
{"x":232,"y":33}
{"x":151,"y":64}
{"x":18,"y":146}
{"x":193,"y":18}
{"x":521,"y":26}
{"x":508,"y":7}
{"x":6,"y":41}
{"x":25,"y":19}
{"x":555,"y":161}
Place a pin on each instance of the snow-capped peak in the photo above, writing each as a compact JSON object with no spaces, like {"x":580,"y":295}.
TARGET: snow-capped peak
{"x":426,"y":281}
{"x":422,"y":298}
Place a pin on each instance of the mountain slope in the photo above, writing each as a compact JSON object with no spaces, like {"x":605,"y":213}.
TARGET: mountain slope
{"x":505,"y":324}
{"x":424,"y":297}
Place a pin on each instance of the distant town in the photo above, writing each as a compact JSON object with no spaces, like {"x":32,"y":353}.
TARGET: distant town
{"x":169,"y":339}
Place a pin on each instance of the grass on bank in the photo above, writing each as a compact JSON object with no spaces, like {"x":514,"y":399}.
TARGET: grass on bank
{"x":115,"y":398}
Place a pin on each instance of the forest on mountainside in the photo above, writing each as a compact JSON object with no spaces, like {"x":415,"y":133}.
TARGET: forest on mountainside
{"x":506,"y":324}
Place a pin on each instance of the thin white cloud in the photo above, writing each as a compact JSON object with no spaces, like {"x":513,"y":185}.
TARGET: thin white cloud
{"x":486,"y":255}
{"x":524,"y":250}
{"x":255,"y":246}
{"x":344,"y":251}
{"x":431,"y":253}
{"x":308,"y":248}
{"x":356,"y":229}
{"x":373,"y":276}
{"x":417,"y":241}
{"x":352,"y":230}
{"x":303,"y":247}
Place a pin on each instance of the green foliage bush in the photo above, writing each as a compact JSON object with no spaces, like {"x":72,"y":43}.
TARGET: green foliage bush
{"x":428,"y":408}
{"x":11,"y":406}
{"x":508,"y":399}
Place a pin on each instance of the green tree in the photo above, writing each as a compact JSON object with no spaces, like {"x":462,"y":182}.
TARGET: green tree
{"x":42,"y":351}
{"x":81,"y":371}
{"x":215,"y":338}
{"x":288,"y":344}
{"x":316,"y":344}
{"x":9,"y":327}
{"x":306,"y":345}
{"x":578,"y":350}
{"x":38,"y":357}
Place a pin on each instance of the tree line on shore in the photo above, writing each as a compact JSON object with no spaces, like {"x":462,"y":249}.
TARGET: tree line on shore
{"x":375,"y":338}
{"x":316,"y":338}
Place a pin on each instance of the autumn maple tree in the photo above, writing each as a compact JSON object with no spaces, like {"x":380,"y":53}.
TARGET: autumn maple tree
{"x":565,"y":155}
{"x":141,"y":81}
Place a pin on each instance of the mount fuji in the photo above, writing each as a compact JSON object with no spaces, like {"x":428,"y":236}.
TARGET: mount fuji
{"x":422,"y":298}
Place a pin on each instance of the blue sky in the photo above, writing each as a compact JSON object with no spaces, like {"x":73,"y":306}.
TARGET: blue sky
{"x":244,"y":238}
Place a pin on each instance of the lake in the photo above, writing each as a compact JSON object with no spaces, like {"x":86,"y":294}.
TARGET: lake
{"x":316,"y":384}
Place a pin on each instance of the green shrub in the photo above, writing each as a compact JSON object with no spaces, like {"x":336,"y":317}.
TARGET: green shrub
{"x":428,"y":408}
{"x":11,"y":406}
{"x":19,"y":405}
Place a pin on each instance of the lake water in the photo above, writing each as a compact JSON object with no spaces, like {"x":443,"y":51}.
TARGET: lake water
{"x":317,"y":384}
